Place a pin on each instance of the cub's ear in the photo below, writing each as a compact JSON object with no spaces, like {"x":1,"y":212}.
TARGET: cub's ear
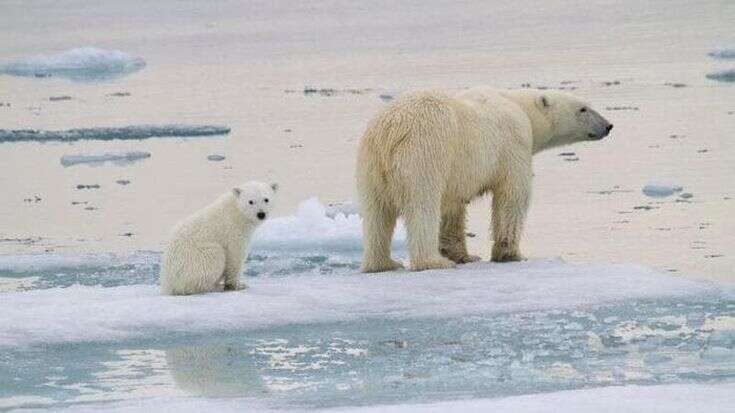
{"x":274,"y":187}
{"x":236,"y":191}
{"x":542,"y":102}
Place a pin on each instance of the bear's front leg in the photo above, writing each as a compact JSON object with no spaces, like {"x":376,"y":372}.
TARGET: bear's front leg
{"x":233,"y":268}
{"x":510,"y":203}
{"x":452,"y":242}
{"x":232,"y":281}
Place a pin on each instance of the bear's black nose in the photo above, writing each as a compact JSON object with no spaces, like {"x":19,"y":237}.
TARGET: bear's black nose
{"x":261,"y":215}
{"x":609,"y":128}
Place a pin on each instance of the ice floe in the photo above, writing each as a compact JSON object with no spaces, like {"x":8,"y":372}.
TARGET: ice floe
{"x":81,"y":313}
{"x":81,"y":64}
{"x":118,"y":158}
{"x":133,"y":132}
{"x":660,"y":190}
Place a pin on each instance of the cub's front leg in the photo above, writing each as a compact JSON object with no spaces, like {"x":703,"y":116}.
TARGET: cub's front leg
{"x":233,"y":268}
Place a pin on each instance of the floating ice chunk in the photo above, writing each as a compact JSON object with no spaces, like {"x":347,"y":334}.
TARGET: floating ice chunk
{"x":344,"y":208}
{"x":660,"y":191}
{"x":723,"y":76}
{"x":82,"y":64}
{"x":316,"y":227}
{"x":120,"y":158}
{"x":134,"y":132}
{"x":722,"y":54}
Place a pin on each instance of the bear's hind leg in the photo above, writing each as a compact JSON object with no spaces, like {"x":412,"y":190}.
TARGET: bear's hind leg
{"x":206,"y":269}
{"x":452,"y":235}
{"x":378,"y":224}
{"x":422,"y":224}
{"x":190,"y":268}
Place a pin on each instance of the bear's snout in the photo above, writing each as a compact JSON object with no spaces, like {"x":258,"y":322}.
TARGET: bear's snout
{"x":601,"y":133}
{"x":261,"y":215}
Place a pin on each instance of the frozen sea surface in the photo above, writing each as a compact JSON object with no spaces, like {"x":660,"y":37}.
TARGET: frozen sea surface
{"x":312,"y":333}
{"x":80,"y":64}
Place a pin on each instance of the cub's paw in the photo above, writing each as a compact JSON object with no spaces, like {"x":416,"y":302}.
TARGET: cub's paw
{"x":390,"y":265}
{"x":432,"y":264}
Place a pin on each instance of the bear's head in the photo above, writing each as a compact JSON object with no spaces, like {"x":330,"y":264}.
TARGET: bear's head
{"x":255,"y":199}
{"x":566,"y":120}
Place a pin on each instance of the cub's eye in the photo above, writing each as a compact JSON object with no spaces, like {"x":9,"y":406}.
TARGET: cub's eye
{"x":251,"y":202}
{"x":265,"y":200}
{"x":583,"y":110}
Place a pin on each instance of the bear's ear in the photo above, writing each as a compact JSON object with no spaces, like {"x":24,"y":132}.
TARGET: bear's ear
{"x":236,"y":191}
{"x":274,"y":187}
{"x":542,"y":102}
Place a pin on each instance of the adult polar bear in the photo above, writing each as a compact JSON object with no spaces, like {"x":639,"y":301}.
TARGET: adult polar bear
{"x":429,"y":154}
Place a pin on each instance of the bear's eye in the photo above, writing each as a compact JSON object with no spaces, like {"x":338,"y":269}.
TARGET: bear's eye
{"x":583,"y":110}
{"x":251,"y":202}
{"x":266,"y":200}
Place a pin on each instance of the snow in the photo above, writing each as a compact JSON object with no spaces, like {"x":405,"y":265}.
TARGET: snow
{"x":81,"y":313}
{"x":660,"y":190}
{"x":80,"y":64}
{"x":119,"y":158}
{"x":134,"y":132}
{"x":712,"y":398}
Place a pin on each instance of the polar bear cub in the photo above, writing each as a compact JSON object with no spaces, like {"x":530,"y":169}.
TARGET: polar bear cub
{"x":207,"y":249}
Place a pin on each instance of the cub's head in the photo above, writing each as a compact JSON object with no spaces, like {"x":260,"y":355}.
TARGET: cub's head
{"x":255,"y":199}
{"x":569,"y":119}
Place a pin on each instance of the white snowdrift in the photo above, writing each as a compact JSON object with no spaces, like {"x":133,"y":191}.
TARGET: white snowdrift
{"x":80,"y":313}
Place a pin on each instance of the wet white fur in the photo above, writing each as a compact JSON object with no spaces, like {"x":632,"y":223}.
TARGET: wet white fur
{"x":207,"y":249}
{"x":426,"y":156}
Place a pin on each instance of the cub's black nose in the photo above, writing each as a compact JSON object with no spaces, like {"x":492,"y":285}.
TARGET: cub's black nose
{"x":261,"y":215}
{"x":609,"y":128}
